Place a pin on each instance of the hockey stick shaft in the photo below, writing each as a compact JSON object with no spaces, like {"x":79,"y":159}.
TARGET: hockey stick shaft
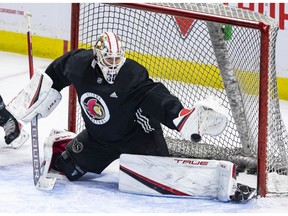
{"x":34,"y":122}
{"x":28,"y":16}
{"x":40,"y":182}
{"x":35,"y":150}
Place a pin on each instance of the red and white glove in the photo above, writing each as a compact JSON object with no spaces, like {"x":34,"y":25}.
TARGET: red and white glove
{"x":208,"y":116}
{"x":38,"y":98}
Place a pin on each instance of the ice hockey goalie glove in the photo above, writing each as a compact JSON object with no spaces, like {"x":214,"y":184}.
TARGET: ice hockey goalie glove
{"x":208,"y":116}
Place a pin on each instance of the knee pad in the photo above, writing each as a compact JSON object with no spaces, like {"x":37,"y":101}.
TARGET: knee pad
{"x":64,"y":163}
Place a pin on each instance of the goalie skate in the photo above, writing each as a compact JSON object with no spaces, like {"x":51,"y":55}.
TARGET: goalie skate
{"x":21,"y":139}
{"x":18,"y":137}
{"x":243,"y":193}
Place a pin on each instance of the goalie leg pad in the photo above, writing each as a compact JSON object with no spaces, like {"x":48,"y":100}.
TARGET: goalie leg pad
{"x":54,"y":145}
{"x":170,"y":176}
{"x":38,"y":98}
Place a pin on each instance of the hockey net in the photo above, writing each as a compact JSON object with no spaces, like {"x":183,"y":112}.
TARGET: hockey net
{"x":232,"y":58}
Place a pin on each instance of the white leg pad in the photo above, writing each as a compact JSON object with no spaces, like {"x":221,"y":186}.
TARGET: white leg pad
{"x":54,"y":136}
{"x":170,"y":176}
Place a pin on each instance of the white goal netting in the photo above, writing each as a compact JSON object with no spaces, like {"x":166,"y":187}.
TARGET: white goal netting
{"x":209,"y":59}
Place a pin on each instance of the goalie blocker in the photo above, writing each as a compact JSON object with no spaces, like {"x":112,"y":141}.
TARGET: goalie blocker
{"x":38,"y":98}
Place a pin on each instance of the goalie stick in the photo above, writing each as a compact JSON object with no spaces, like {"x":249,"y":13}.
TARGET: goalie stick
{"x":41,"y":182}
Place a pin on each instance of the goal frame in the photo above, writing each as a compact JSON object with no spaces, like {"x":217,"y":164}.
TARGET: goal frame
{"x":264,"y":71}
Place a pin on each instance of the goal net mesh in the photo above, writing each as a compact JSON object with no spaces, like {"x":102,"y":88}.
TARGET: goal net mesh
{"x":182,"y":54}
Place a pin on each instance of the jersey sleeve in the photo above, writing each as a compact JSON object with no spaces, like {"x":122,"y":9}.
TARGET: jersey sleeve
{"x":156,"y":100}
{"x":161,"y":104}
{"x":58,"y":70}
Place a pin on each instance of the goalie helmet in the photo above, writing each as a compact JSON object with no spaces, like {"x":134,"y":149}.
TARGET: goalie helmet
{"x":109,"y":54}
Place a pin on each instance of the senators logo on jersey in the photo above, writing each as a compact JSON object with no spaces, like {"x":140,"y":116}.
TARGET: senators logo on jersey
{"x":95,"y":108}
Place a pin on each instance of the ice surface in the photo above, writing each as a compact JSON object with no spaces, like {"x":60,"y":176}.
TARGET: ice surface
{"x":93,"y":193}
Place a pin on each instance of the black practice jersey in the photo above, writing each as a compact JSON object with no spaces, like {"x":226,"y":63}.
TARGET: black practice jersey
{"x":113,"y":112}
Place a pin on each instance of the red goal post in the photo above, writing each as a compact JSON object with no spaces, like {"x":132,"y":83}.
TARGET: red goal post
{"x":240,"y":70}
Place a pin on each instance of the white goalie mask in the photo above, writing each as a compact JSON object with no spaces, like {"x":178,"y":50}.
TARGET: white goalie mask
{"x":109,"y":54}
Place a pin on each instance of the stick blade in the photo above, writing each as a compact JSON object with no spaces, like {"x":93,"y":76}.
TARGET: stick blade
{"x":46,"y":183}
